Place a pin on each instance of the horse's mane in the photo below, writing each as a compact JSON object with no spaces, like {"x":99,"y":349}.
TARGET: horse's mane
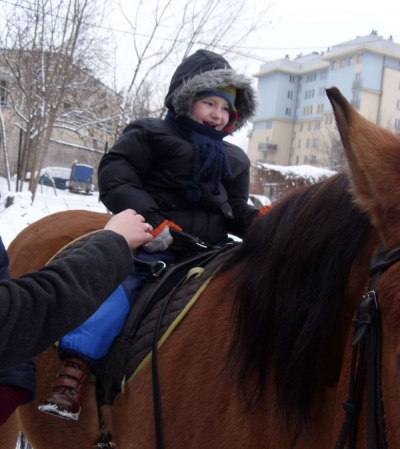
{"x":294,"y":266}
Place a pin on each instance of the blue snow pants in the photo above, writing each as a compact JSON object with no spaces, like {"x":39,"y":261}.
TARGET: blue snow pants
{"x":92,"y":339}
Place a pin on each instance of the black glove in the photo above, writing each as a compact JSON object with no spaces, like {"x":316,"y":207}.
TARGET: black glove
{"x":186,"y":245}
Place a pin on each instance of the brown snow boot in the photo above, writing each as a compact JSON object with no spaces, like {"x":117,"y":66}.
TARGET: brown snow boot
{"x":67,"y":390}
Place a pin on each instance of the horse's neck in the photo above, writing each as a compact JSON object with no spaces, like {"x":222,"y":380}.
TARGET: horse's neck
{"x":357,"y":285}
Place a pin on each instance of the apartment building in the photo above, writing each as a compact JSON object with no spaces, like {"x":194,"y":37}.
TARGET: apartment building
{"x":295,"y":123}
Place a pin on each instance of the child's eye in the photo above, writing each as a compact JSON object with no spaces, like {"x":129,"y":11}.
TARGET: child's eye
{"x":209,"y":103}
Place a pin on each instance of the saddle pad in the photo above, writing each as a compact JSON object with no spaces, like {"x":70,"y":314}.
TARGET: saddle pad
{"x":179,"y":304}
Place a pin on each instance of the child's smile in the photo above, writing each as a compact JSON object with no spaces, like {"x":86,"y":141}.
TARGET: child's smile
{"x":211,"y":111}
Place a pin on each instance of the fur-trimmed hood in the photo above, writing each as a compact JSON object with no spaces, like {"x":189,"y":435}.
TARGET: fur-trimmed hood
{"x":205,"y":70}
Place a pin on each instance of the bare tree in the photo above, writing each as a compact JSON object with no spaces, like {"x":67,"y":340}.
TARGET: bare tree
{"x":51,"y":49}
{"x":4,"y":146}
{"x":331,"y":149}
{"x":48,"y":48}
{"x":164,"y":32}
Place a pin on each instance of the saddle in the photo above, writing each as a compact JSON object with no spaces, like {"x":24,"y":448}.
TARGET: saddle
{"x":160,"y":306}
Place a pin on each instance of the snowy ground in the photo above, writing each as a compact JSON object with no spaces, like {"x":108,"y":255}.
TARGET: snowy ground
{"x":15,"y":218}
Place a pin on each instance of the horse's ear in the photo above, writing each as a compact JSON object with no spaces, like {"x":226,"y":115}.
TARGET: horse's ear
{"x":373,"y":155}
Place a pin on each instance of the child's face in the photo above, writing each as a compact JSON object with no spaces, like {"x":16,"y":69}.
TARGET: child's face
{"x":211,"y":111}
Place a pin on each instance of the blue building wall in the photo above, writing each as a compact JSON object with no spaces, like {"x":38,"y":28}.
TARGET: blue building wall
{"x":342,"y":78}
{"x":273,"y":91}
{"x":372,"y":66}
{"x":307,"y":86}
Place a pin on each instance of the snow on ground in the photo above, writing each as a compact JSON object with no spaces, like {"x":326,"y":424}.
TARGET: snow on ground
{"x":15,"y":218}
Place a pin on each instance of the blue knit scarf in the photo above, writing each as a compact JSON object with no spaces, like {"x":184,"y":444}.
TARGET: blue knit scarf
{"x":210,"y":159}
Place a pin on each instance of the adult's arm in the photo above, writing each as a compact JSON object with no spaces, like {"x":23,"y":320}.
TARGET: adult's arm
{"x":39,"y":308}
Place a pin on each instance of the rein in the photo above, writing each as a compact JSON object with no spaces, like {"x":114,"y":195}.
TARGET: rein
{"x":367,"y":356}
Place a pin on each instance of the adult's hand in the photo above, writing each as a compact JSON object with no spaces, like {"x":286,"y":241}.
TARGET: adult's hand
{"x":132,"y":227}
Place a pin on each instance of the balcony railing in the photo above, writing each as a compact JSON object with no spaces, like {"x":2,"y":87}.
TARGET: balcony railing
{"x":267,"y":147}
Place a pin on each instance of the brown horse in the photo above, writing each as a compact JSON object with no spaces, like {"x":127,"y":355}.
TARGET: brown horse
{"x":263,"y":358}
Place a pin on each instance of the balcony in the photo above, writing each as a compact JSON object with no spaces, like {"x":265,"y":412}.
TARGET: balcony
{"x":267,"y":147}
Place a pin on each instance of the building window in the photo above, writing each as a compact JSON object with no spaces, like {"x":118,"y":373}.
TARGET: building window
{"x":292,"y":78}
{"x":328,"y":119}
{"x":317,"y":126}
{"x":308,"y":143}
{"x":268,"y":124}
{"x":310,"y":126}
{"x":309,"y":93}
{"x":299,"y":143}
{"x":4,"y":89}
{"x":397,"y":123}
{"x":315,"y":143}
{"x":324,"y":74}
{"x":307,"y":110}
{"x":301,"y":127}
{"x":320,"y":108}
{"x":288,"y":111}
{"x":311,"y":77}
{"x":346,"y":61}
{"x":290,"y":94}
{"x":398,"y":104}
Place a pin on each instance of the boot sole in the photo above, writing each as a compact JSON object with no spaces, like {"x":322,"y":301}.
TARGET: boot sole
{"x":54,"y":410}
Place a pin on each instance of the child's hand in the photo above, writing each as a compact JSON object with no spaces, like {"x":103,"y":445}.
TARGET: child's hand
{"x":162,"y":237}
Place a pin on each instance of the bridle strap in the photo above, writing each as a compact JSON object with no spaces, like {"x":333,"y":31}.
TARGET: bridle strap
{"x":367,"y":353}
{"x":384,"y":259}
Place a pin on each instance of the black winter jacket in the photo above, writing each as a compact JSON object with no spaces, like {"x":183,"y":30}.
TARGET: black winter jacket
{"x":39,"y":308}
{"x":22,"y":375}
{"x":148,"y":170}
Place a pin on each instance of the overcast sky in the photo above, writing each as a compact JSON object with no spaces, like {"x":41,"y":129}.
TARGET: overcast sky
{"x":313,"y":25}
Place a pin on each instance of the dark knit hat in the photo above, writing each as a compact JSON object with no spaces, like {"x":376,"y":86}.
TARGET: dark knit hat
{"x":228,"y":93}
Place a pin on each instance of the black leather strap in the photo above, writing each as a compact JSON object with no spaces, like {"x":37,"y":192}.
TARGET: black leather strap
{"x":384,"y":259}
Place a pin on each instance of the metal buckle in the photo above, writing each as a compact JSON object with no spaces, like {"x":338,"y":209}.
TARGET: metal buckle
{"x":158,"y":268}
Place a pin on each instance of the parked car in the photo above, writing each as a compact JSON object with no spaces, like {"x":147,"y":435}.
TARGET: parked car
{"x":259,"y":200}
{"x":55,"y":177}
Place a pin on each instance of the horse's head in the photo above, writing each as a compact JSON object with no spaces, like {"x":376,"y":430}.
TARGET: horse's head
{"x":373,"y":155}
